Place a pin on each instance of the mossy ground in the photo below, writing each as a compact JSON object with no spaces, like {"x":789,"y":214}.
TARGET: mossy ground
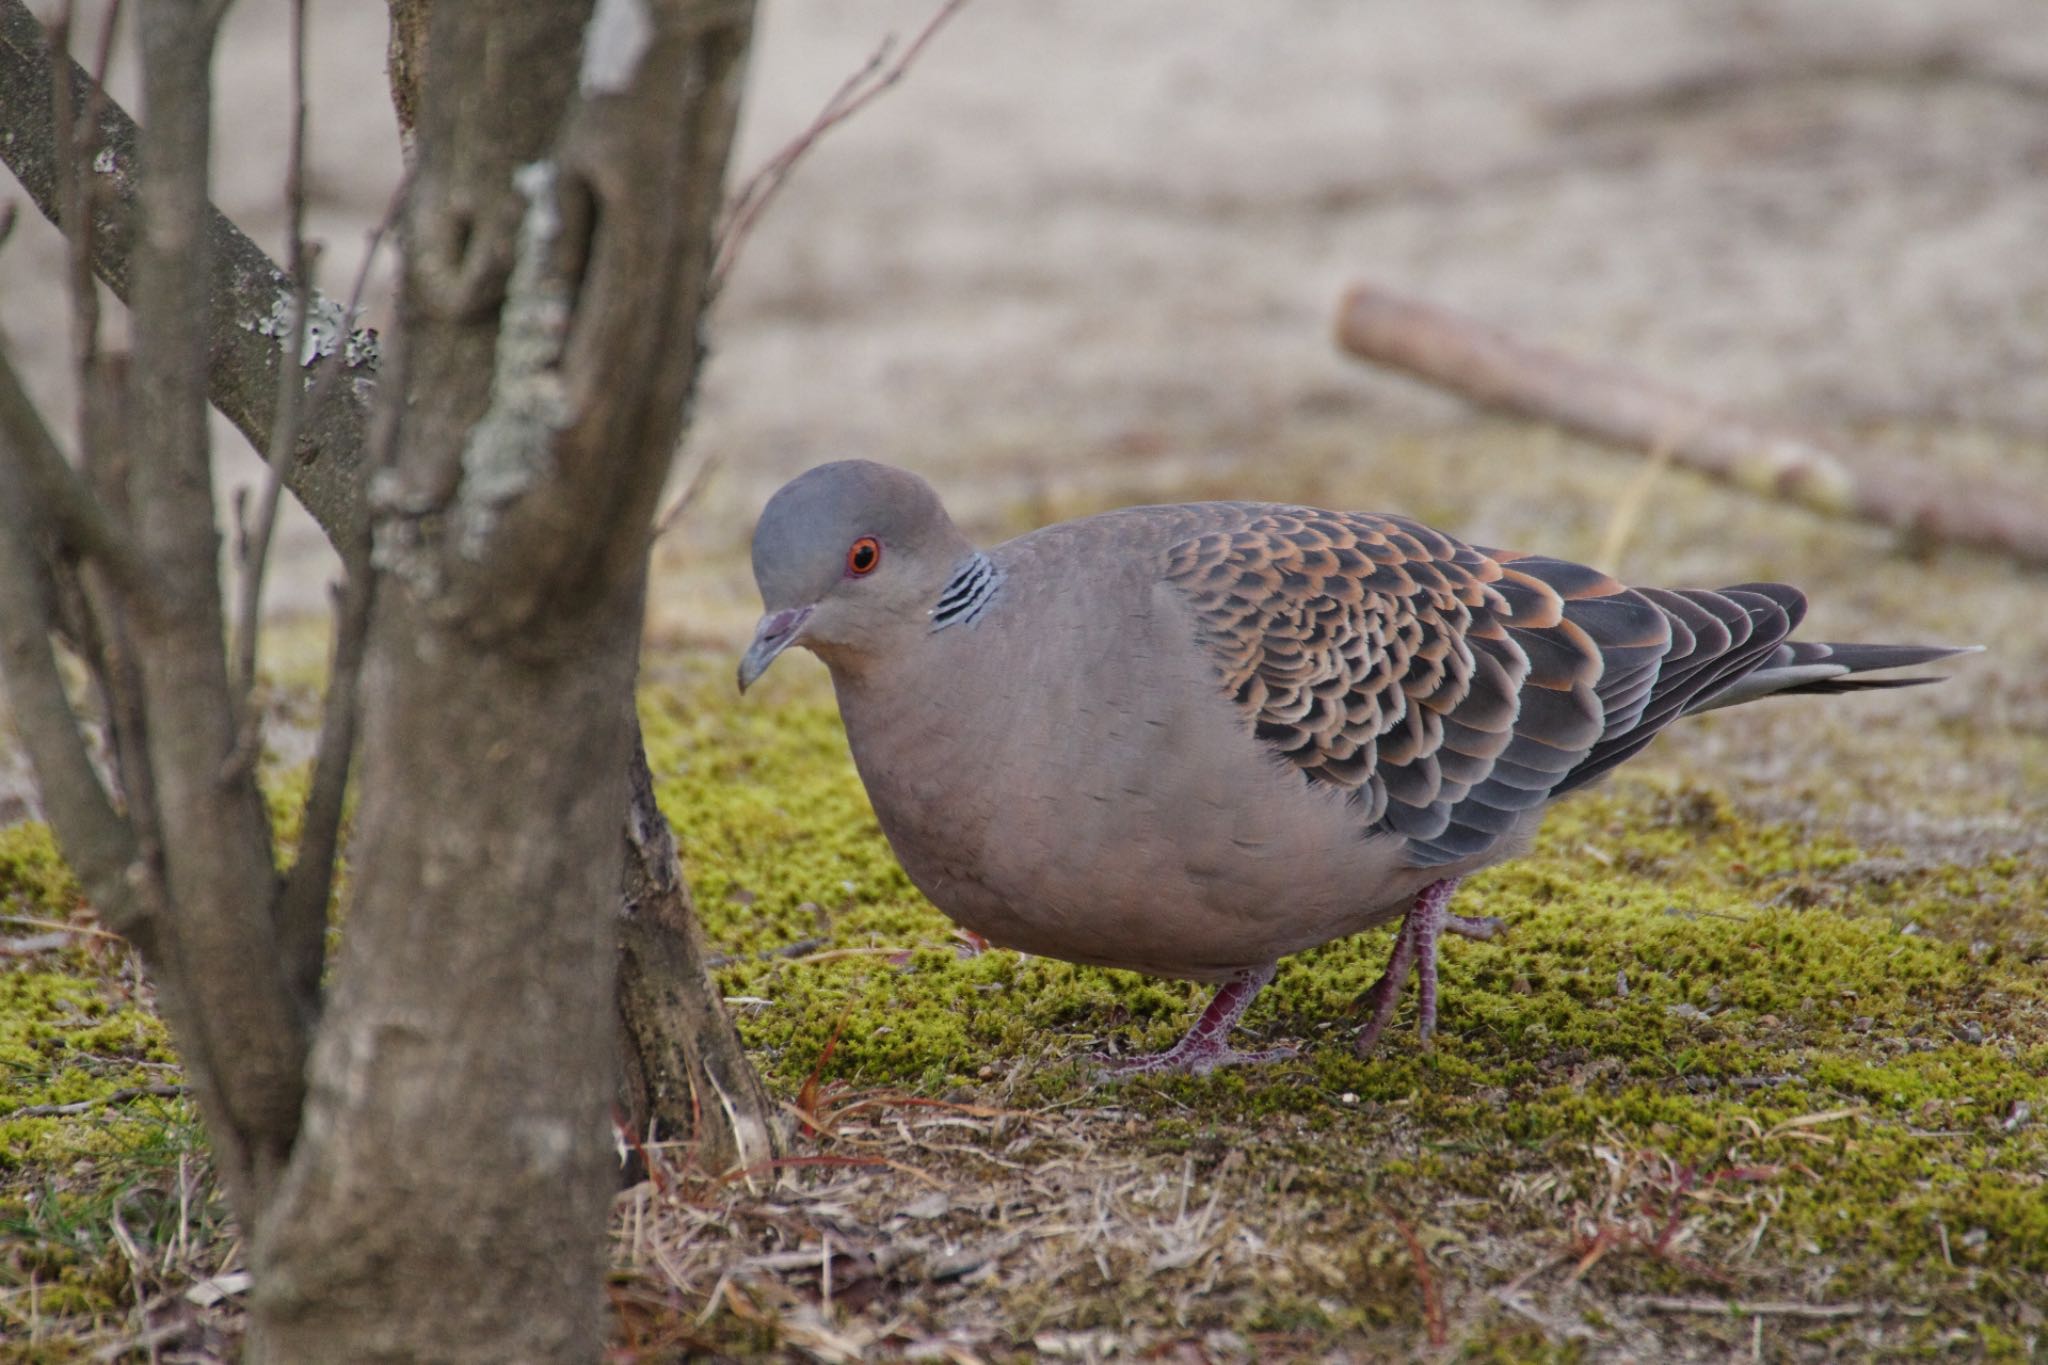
{"x":1738,"y":1060}
{"x":103,"y":1194}
{"x":1745,"y":1043}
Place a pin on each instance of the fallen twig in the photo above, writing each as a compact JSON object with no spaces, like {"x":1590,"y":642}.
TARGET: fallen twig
{"x":800,"y":948}
{"x":60,"y":926}
{"x":121,"y":1096}
{"x":1771,"y":1308}
{"x":1432,"y":1297}
{"x":827,"y":1159}
{"x":1621,"y":408}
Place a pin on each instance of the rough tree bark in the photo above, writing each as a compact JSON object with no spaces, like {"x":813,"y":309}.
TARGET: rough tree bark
{"x":431,"y":1181}
{"x":512,"y":533}
{"x":685,"y":1074}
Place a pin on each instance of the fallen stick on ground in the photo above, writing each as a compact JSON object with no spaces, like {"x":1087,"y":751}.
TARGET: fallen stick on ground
{"x":1772,"y":1308}
{"x":1618,"y":407}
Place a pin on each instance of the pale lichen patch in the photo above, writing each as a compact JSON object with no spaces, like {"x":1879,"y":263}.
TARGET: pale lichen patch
{"x":511,"y":448}
{"x":614,"y":41}
{"x":328,"y":329}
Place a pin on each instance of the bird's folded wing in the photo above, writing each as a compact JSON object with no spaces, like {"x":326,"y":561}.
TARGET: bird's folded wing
{"x":1448,"y":688}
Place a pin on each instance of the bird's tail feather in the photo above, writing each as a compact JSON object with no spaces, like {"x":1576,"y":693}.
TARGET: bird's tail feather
{"x":1810,"y":666}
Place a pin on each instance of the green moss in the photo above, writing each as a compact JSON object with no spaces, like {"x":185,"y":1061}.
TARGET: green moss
{"x":1679,"y":982}
{"x":1781,"y":1034}
{"x":75,"y":1028}
{"x":66,"y":1040}
{"x":33,"y":878}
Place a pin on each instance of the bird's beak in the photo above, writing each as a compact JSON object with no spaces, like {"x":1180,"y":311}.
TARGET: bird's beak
{"x":777,"y":632}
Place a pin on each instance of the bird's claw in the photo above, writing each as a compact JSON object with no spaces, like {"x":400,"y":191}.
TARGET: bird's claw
{"x":1193,"y":1061}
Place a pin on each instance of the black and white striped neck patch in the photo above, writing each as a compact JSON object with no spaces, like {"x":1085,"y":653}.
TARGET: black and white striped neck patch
{"x":968,"y":592}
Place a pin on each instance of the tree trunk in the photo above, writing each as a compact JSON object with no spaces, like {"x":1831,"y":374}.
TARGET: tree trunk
{"x":678,"y":1033}
{"x":432,"y":1180}
{"x":559,"y":240}
{"x":439,"y":1028}
{"x":682,"y":1058}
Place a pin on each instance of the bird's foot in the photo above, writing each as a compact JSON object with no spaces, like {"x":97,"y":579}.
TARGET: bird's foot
{"x":1206,"y":1045}
{"x":1481,"y":927}
{"x":1198,"y":1059}
{"x":1415,"y":949}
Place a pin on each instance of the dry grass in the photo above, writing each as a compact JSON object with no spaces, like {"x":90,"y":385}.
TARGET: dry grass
{"x":964,"y":1234}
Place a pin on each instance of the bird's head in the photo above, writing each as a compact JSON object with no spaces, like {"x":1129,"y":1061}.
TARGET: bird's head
{"x":848,"y":557}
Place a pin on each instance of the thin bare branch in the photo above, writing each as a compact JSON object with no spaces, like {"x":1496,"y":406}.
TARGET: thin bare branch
{"x":284,"y":429}
{"x":330,"y":369}
{"x":71,"y":215}
{"x":99,"y":843}
{"x":244,"y":1032}
{"x":78,"y":143}
{"x":246,"y":293}
{"x":405,"y":63}
{"x":66,"y":505}
{"x":302,"y":907}
{"x":1621,"y":408}
{"x":701,"y":471}
{"x":875,"y":77}
{"x":108,"y":640}
{"x":301,"y":916}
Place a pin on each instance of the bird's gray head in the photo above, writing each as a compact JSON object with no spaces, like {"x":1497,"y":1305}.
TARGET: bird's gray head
{"x":848,"y":556}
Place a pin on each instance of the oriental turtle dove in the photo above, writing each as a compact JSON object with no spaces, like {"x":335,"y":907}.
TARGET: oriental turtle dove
{"x":1190,"y":740}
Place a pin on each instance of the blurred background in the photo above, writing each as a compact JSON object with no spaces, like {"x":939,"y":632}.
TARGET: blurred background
{"x":1090,"y":254}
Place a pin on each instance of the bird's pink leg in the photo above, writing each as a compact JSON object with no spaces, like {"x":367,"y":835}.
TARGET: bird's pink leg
{"x":1415,"y":950}
{"x":1206,"y":1045}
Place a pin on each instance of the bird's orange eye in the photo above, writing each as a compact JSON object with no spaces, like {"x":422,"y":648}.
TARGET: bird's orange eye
{"x":863,"y":555}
